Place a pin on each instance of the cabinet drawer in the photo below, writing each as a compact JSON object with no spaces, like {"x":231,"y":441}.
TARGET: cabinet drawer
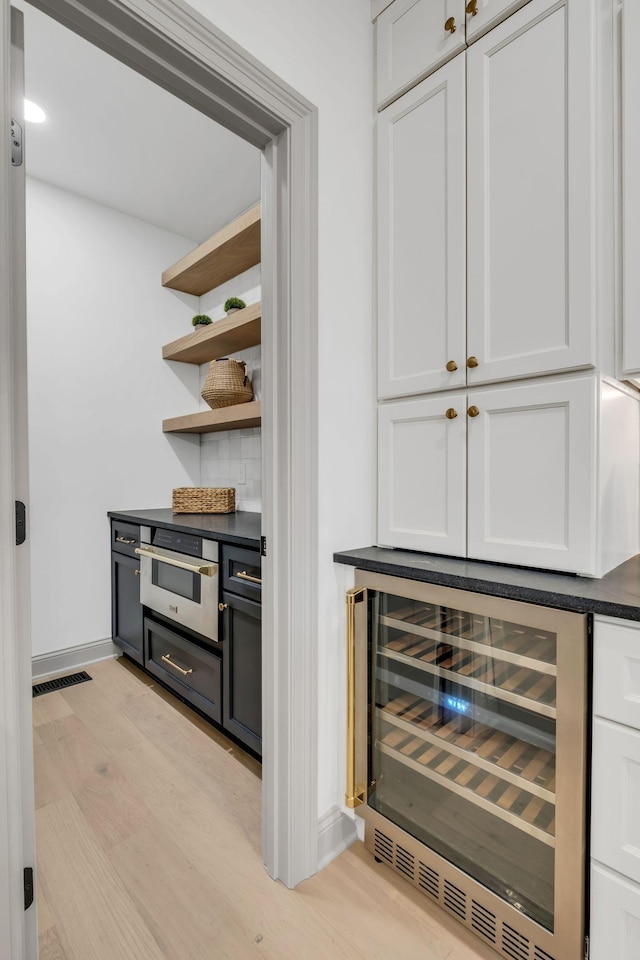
{"x":242,"y":572}
{"x":615,"y":917}
{"x":125,"y":537}
{"x":192,"y":672}
{"x":615,"y":811}
{"x":616,"y":671}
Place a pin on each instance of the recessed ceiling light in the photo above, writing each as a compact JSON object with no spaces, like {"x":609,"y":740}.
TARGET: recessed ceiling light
{"x":33,"y":113}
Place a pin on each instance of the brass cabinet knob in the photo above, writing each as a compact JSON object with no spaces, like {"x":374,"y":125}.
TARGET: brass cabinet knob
{"x":473,"y":411}
{"x":472,"y":362}
{"x":137,"y":573}
{"x":451,"y":414}
{"x":222,"y":607}
{"x":451,"y":366}
{"x":450,"y":25}
{"x":472,"y":8}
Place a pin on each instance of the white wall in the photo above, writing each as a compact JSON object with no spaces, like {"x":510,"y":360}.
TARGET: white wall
{"x":98,"y":391}
{"x":323,"y":48}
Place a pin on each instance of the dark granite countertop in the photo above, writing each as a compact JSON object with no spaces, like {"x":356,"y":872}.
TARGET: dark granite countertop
{"x":242,"y":528}
{"x":615,"y":595}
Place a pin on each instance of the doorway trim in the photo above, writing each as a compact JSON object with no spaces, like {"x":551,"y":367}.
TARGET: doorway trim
{"x":173,"y":45}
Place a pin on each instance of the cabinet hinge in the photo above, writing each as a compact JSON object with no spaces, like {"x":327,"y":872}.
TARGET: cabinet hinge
{"x":586,"y":948}
{"x":28,"y":887}
{"x":21,"y":523}
{"x":16,"y":144}
{"x":263,"y":546}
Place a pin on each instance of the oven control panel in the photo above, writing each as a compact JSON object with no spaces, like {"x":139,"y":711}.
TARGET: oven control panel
{"x":180,"y":542}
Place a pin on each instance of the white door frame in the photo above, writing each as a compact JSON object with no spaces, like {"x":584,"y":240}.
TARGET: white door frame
{"x":173,"y":45}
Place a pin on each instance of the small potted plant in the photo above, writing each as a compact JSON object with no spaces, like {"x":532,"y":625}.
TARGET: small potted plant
{"x":233,"y":304}
{"x":201,"y":320}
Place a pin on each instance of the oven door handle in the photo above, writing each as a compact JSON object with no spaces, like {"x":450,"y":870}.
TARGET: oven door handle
{"x":206,"y":569}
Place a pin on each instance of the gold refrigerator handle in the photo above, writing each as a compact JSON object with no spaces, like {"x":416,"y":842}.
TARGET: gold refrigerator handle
{"x":356,"y":791}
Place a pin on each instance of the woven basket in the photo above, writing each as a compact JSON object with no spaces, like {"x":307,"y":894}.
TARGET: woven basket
{"x":204,"y":500}
{"x":227,"y":384}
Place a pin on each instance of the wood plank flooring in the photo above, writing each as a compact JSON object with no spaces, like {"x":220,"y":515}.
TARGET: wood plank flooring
{"x":148,"y":847}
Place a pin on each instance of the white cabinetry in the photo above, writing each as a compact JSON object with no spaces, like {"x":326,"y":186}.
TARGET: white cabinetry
{"x":630,"y":360}
{"x":615,"y":817}
{"x":421,"y":275}
{"x":482,"y":15}
{"x":513,"y":474}
{"x":412,"y":40}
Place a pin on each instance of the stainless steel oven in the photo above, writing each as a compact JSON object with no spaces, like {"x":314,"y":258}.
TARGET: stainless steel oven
{"x":179,"y":578}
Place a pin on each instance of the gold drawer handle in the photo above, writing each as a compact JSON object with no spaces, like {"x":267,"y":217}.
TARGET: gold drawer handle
{"x":451,"y":414}
{"x":222,"y":607}
{"x":137,"y":573}
{"x":167,"y":659}
{"x":451,"y":366}
{"x":472,"y":362}
{"x":205,"y":569}
{"x":125,"y":540}
{"x":450,"y":25}
{"x":472,"y":8}
{"x":243,"y":575}
{"x":473,"y":411}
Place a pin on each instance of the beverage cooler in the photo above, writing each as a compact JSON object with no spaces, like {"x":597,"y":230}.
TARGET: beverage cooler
{"x":466,"y":756}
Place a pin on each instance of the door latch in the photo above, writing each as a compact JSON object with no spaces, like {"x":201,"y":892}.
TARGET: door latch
{"x":21,"y":523}
{"x":16,"y":144}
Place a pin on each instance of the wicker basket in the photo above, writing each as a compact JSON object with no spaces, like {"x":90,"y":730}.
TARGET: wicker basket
{"x":204,"y":500}
{"x":227,"y":384}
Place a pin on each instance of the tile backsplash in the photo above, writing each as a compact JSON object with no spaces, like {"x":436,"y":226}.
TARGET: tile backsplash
{"x":233,"y":458}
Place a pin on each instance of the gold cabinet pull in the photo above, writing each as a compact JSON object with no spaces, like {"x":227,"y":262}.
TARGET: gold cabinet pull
{"x":451,"y":414}
{"x":356,"y":792}
{"x":125,"y":540}
{"x":451,"y":366}
{"x":473,"y":411}
{"x":222,"y":607}
{"x":472,"y":362}
{"x":205,"y":569}
{"x":137,"y":573}
{"x":472,"y":8}
{"x":243,"y":575}
{"x":450,"y":25}
{"x":167,"y":659}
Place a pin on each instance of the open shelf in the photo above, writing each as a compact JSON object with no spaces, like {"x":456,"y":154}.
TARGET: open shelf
{"x":218,"y":339}
{"x":229,"y":252}
{"x":211,"y":421}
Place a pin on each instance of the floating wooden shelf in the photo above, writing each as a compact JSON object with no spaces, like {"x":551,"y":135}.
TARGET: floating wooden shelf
{"x":218,"y":339}
{"x":227,"y":253}
{"x":211,"y":421}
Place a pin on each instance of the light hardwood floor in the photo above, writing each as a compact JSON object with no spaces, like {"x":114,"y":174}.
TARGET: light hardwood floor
{"x":148,"y":847}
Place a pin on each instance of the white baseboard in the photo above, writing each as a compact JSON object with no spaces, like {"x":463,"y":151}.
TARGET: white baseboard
{"x":58,"y":661}
{"x":336,"y":831}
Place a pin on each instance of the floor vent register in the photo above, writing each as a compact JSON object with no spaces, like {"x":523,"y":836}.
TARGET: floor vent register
{"x":60,"y":683}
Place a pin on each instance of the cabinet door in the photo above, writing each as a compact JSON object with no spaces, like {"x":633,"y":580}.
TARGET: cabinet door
{"x":483,"y":15}
{"x":615,"y":810}
{"x":531,"y":216}
{"x":630,"y":190}
{"x":242,"y":670}
{"x":126,"y":609}
{"x":421,"y":237}
{"x":531,"y":479}
{"x":411,"y":42}
{"x":422,"y":475}
{"x":615,"y":917}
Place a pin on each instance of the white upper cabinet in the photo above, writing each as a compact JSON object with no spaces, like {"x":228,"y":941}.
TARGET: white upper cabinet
{"x":629,"y":363}
{"x":532,"y":474}
{"x":531,"y":200}
{"x":422,"y":237}
{"x":422,"y":475}
{"x":413,"y":37}
{"x":482,"y":15}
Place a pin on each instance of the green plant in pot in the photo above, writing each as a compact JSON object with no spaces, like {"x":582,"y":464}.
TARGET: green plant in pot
{"x":233,"y":304}
{"x":201,"y":320}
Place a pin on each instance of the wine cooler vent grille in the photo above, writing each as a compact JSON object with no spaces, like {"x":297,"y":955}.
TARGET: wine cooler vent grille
{"x":429,"y":880}
{"x":514,"y":944}
{"x":405,"y":862}
{"x":483,"y":921}
{"x":383,"y":847}
{"x":541,"y":955}
{"x":455,"y":900}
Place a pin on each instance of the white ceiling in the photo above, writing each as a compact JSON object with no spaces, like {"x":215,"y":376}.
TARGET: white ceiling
{"x":117,"y":138}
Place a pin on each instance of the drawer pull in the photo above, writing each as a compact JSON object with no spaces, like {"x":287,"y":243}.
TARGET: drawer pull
{"x":125,"y":540}
{"x":137,"y":573}
{"x":450,"y":25}
{"x":167,"y":659}
{"x":222,"y":607}
{"x":243,"y":575}
{"x":205,"y":569}
{"x":451,"y":414}
{"x":472,"y":8}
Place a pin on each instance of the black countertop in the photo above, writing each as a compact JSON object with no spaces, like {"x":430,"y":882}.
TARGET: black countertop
{"x":615,"y":595}
{"x":242,"y":528}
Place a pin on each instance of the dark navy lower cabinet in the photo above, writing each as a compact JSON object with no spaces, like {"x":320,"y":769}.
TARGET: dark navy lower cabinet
{"x":242,"y":670}
{"x":126,"y":611}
